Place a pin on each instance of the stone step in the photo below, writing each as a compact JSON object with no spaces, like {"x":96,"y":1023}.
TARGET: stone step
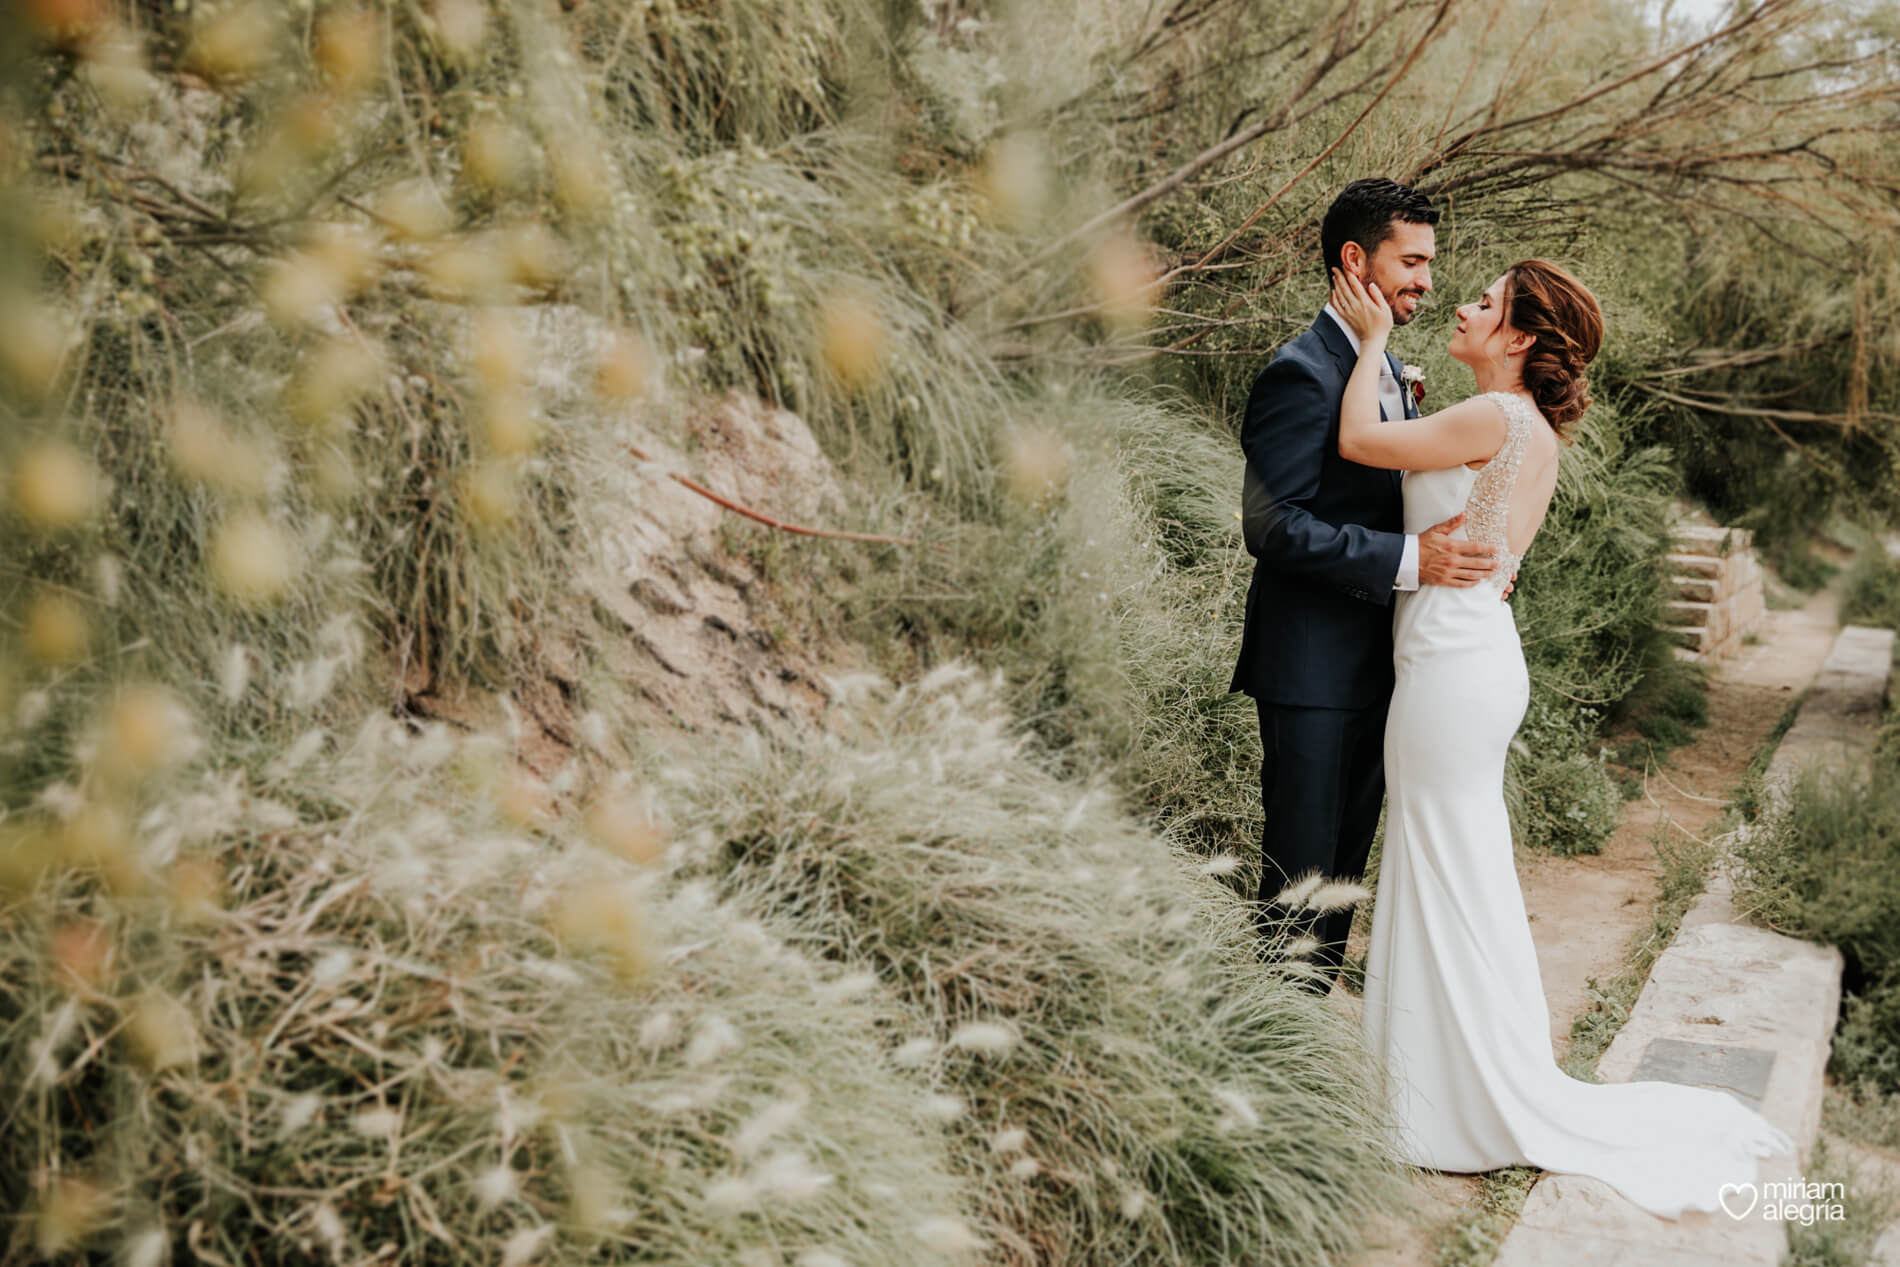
{"x":1693,"y":589}
{"x":1695,"y":638}
{"x":1696,"y":564}
{"x":1709,"y":539}
{"x":1684,"y":612}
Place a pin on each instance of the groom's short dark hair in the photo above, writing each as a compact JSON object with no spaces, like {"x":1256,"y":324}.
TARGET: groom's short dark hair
{"x":1365,"y":212}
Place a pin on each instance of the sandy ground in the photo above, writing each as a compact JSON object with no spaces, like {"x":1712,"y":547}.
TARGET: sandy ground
{"x":1586,"y":911}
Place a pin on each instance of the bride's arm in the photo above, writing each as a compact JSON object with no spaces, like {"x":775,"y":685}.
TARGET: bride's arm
{"x":1467,"y":431}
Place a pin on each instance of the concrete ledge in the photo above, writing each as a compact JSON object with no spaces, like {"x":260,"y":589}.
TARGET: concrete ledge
{"x":1741,"y":986}
{"x":1569,"y":1219}
{"x":1548,"y":1247}
{"x":1840,"y":718}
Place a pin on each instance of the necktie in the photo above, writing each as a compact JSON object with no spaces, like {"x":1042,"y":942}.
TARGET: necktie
{"x":1390,"y":398}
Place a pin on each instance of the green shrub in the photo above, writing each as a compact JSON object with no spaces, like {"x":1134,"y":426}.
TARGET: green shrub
{"x":1590,"y":595}
{"x":1866,"y":1049}
{"x":1562,"y":796}
{"x":1871,"y":595}
{"x":1668,"y":705}
{"x":1797,"y":563}
{"x":1115,"y":610}
{"x":1820,"y":864}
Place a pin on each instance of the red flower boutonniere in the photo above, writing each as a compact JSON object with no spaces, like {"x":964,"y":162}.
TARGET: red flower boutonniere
{"x":1412,"y":378}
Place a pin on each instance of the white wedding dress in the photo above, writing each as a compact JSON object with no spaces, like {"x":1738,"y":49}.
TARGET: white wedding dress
{"x":1454,"y":1005}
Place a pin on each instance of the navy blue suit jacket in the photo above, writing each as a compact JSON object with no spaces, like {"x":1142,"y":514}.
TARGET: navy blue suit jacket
{"x":1326,"y":534}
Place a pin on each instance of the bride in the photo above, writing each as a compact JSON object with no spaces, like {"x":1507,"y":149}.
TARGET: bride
{"x":1454,"y":1006}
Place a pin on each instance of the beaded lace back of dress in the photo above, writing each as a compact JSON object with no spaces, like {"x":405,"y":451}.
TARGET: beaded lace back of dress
{"x":1488,"y":509}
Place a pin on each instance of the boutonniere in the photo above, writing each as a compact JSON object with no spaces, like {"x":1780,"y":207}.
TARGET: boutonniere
{"x":1412,"y":378}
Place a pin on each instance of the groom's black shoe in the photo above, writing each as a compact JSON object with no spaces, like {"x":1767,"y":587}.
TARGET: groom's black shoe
{"x":1279,"y":928}
{"x":1309,"y":978}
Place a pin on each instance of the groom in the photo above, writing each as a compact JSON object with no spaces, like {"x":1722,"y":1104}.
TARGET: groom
{"x":1330,"y":550}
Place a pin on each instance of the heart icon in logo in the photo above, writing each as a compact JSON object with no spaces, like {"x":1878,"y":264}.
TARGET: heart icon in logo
{"x":1737,"y":1190}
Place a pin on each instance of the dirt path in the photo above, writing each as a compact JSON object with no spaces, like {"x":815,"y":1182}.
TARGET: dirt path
{"x":1586,"y":911}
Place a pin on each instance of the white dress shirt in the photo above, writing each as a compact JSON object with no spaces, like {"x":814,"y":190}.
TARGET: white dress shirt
{"x":1392,"y":400}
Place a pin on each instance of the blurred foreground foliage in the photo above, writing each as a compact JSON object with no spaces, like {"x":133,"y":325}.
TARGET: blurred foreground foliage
{"x":325,"y":332}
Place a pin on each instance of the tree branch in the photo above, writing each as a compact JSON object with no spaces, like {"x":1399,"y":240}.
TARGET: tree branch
{"x":780,"y":524}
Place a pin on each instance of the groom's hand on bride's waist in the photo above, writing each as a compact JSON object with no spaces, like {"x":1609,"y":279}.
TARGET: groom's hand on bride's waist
{"x":1445,"y":560}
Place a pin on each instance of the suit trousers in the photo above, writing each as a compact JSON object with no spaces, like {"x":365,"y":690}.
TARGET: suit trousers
{"x":1322,"y":781}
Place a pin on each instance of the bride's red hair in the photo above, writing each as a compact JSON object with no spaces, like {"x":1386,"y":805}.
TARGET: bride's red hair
{"x":1566,"y":322}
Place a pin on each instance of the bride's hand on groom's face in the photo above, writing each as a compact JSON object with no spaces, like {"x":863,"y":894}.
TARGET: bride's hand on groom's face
{"x":1362,"y":305}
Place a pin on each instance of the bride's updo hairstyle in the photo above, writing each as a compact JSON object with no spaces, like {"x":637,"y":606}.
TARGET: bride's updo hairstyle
{"x":1564,"y":319}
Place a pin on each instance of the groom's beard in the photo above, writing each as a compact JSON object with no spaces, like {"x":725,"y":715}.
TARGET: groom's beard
{"x":1418,"y":298}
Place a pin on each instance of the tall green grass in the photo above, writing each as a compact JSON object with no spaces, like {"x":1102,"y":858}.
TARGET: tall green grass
{"x":1135,"y":1086}
{"x":363,"y":1008}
